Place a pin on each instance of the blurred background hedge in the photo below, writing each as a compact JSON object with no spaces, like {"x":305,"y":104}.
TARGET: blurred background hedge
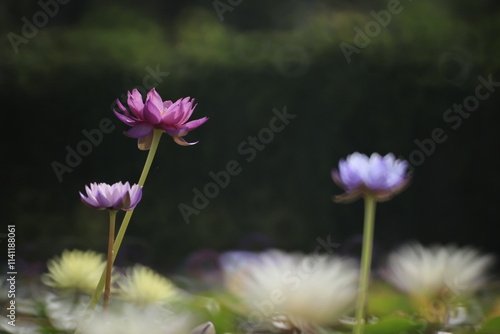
{"x":263,"y":55}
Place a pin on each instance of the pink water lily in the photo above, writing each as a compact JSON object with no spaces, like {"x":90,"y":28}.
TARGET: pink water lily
{"x":171,"y":117}
{"x":117,"y":196}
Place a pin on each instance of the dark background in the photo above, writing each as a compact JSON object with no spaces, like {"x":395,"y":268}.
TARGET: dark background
{"x":263,"y":55}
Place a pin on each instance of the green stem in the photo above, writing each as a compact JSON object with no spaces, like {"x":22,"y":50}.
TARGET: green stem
{"x":366,"y":260}
{"x":123,"y":227}
{"x":109,"y":263}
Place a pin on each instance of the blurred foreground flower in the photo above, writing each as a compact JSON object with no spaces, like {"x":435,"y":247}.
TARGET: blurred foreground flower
{"x":65,"y":312}
{"x":439,"y":278}
{"x":23,"y":318}
{"x":377,"y":176}
{"x":170,"y":117}
{"x":431,"y":271}
{"x":75,"y":271}
{"x":117,"y":196}
{"x":292,"y":290}
{"x":133,"y":320}
{"x":206,"y":328}
{"x":143,"y":286}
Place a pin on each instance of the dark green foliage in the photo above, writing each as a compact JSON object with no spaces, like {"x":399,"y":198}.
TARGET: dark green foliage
{"x":262,"y":56}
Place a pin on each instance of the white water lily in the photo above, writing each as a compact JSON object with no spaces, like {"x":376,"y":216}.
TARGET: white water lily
{"x":22,"y":319}
{"x":301,"y":291}
{"x":19,"y":328}
{"x":65,"y":312}
{"x":133,"y":320}
{"x":428,"y":272}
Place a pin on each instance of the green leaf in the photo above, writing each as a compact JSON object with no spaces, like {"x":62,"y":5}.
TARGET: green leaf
{"x":395,"y":325}
{"x":491,"y":327}
{"x":385,"y":300}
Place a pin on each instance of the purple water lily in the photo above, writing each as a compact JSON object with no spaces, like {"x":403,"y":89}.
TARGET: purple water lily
{"x":144,"y":117}
{"x":379,"y":176}
{"x":117,"y":196}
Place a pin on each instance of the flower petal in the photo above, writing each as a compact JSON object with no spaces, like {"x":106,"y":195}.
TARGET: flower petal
{"x":122,"y":107}
{"x":125,"y":119}
{"x":140,"y":130}
{"x":151,"y":113}
{"x":196,"y":123}
{"x":135,"y":103}
{"x":172,"y":115}
{"x":376,"y":177}
{"x":347,"y":197}
{"x":182,"y":142}
{"x":123,"y":202}
{"x":175,"y":132}
{"x":89,"y":201}
{"x":135,"y":196}
{"x":187,"y":108}
{"x":336,"y":178}
{"x":103,"y":200}
{"x":144,"y":143}
{"x":349,"y":175}
{"x":154,"y":98}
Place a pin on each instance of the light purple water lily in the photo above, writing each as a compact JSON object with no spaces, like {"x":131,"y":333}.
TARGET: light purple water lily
{"x":154,"y":113}
{"x":117,"y":196}
{"x":378,"y":176}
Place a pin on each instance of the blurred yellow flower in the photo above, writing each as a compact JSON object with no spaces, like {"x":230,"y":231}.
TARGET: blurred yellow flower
{"x":75,"y":271}
{"x":143,"y":286}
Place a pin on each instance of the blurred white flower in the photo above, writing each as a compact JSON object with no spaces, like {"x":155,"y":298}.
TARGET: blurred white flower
{"x":133,"y":320}
{"x":65,"y":312}
{"x":21,"y":327}
{"x":291,"y":289}
{"x":24,"y":320}
{"x":205,"y":328}
{"x":143,"y":286}
{"x":429,"y":272}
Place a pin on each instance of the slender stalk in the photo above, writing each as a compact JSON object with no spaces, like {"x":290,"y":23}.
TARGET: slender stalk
{"x":142,"y":180}
{"x":366,"y":260}
{"x":109,"y":263}
{"x":123,"y":227}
